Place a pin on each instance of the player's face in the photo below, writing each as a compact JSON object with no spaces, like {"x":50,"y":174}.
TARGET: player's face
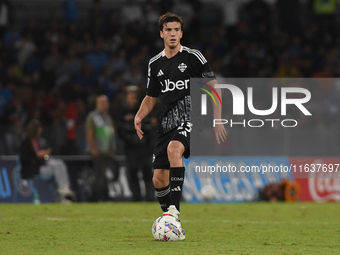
{"x":171,"y":34}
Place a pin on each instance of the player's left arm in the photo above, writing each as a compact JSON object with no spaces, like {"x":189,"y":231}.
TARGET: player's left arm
{"x":205,"y":71}
{"x":220,"y":132}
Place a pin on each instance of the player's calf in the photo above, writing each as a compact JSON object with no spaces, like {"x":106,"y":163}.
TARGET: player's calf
{"x":175,"y":151}
{"x":161,"y":183}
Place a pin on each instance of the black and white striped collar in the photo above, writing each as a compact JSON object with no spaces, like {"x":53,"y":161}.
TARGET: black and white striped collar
{"x":163,"y":52}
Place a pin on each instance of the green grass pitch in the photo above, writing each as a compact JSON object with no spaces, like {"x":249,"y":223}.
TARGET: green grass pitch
{"x":125,"y":228}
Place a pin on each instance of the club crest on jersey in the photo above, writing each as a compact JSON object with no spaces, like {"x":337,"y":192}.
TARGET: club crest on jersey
{"x":182,"y":67}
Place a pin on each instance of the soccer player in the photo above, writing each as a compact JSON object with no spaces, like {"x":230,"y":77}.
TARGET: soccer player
{"x":169,"y":74}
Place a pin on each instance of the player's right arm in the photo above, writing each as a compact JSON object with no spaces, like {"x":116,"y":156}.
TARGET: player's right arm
{"x":153,"y":89}
{"x":145,"y":108}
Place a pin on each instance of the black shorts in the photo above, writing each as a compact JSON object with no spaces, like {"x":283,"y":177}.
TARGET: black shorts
{"x":181,"y":134}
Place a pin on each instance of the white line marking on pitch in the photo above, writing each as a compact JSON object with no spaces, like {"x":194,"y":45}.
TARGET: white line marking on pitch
{"x":124,"y":219}
{"x":57,"y":219}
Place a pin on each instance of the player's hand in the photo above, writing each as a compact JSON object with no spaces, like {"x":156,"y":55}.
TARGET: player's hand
{"x":138,"y":127}
{"x":220,"y":133}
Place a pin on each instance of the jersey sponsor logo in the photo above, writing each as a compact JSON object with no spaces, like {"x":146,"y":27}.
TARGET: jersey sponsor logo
{"x":177,"y":179}
{"x":182,"y":67}
{"x":160,"y":73}
{"x":171,"y":85}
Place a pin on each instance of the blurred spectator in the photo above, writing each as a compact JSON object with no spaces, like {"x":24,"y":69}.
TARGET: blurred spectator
{"x":71,"y":116}
{"x":98,"y":58}
{"x":131,"y":13}
{"x":4,"y":16}
{"x":71,"y":64}
{"x":80,"y":131}
{"x":184,"y":9}
{"x":118,"y":63}
{"x":17,"y":107}
{"x":101,"y":139}
{"x":98,"y":19}
{"x":53,"y":61}
{"x":152,"y":14}
{"x":85,"y":83}
{"x":35,"y":31}
{"x":25,"y":47}
{"x":107,"y":84}
{"x":52,"y":33}
{"x":71,"y":10}
{"x":15,"y":134}
{"x":40,"y":106}
{"x":133,"y":74}
{"x":36,"y":160}
{"x":12,"y":34}
{"x":58,"y":127}
{"x":230,"y":10}
{"x":6,"y":94}
{"x":138,"y":152}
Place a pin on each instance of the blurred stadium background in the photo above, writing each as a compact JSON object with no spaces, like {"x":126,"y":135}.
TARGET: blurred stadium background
{"x":57,"y":56}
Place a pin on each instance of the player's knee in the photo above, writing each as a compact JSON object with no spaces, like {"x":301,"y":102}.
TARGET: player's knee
{"x":158,"y":182}
{"x":174,"y":151}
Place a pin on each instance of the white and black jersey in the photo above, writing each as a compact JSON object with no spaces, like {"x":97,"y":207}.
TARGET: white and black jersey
{"x":169,"y":79}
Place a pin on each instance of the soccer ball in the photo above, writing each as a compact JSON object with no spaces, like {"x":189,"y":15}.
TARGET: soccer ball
{"x":166,"y":228}
{"x":208,"y":192}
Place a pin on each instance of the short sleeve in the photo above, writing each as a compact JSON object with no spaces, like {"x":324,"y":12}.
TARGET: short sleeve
{"x":203,"y":69}
{"x":152,"y":87}
{"x":207,"y":72}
